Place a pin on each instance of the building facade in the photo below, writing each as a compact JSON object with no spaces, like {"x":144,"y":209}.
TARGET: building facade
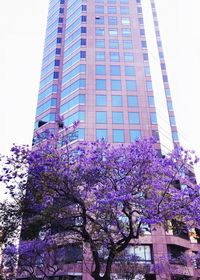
{"x":97,"y":68}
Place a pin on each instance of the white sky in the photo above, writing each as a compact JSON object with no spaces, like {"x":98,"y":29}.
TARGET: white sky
{"x":22,"y":31}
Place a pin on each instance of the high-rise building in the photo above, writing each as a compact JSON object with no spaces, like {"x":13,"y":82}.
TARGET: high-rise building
{"x":104,"y":67}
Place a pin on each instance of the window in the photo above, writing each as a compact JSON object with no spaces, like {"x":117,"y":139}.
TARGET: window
{"x":100,"y":31}
{"x":129,"y":70}
{"x":128,"y":57}
{"x":145,"y":57}
{"x":116,"y":100}
{"x":165,"y":79}
{"x":149,"y":85}
{"x":113,"y":32}
{"x":100,"y":43}
{"x":117,"y":118}
{"x":151,"y":101}
{"x":60,"y":20}
{"x":70,"y":253}
{"x":99,"y":9}
{"x":84,"y":8}
{"x":124,"y":1}
{"x":112,"y":10}
{"x":147,"y":71}
{"x":57,"y":62}
{"x":125,"y":21}
{"x":101,"y":117}
{"x":159,"y":44}
{"x":83,"y":42}
{"x":101,"y":134}
{"x":111,"y":1}
{"x":139,"y":10}
{"x":115,"y":70}
{"x":113,"y":44}
{"x":116,"y":85}
{"x":127,"y":44}
{"x":58,"y":51}
{"x":61,"y":10}
{"x":99,"y":20}
{"x":167,"y":92}
{"x":142,"y":32}
{"x":144,"y":44}
{"x":100,"y":84}
{"x":153,"y":118}
{"x":131,"y":85}
{"x":161,"y":55}
{"x":143,"y":252}
{"x":176,"y":254}
{"x":163,"y":66}
{"x":112,"y":20}
{"x":83,"y":18}
{"x":169,"y":106}
{"x":140,"y":21}
{"x":179,"y":228}
{"x":55,"y":75}
{"x":83,"y":29}
{"x":124,"y":10}
{"x":100,"y":70}
{"x":100,"y":100}
{"x":126,"y":32}
{"x":172,"y":120}
{"x":118,"y":135}
{"x":134,"y":118}
{"x":135,"y":134}
{"x":114,"y":56}
{"x":175,"y":136}
{"x":132,"y":101}
{"x":59,"y":40}
{"x":100,"y":56}
{"x":82,"y":54}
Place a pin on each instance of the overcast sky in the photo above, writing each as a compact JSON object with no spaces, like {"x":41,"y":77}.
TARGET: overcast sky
{"x":22,"y":31}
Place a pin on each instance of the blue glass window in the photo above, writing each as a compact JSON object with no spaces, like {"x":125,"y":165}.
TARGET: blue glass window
{"x":101,"y":134}
{"x":58,"y":51}
{"x":99,"y":9}
{"x":82,"y":54}
{"x":59,"y":29}
{"x":134,"y":118}
{"x":169,"y":106}
{"x":100,"y":31}
{"x":115,"y":70}
{"x":139,"y":10}
{"x":114,"y":56}
{"x":100,"y":70}
{"x":57,"y":62}
{"x":140,"y":20}
{"x":144,"y":44}
{"x":153,"y":118}
{"x":118,"y":135}
{"x":163,"y":66}
{"x":149,"y":85}
{"x":159,"y":44}
{"x":151,"y":101}
{"x":56,"y":75}
{"x":83,"y":29}
{"x":100,"y":84}
{"x":100,"y":100}
{"x":124,"y":10}
{"x":142,"y":32}
{"x":113,"y":31}
{"x":113,"y":44}
{"x":100,"y":44}
{"x":59,"y":40}
{"x":61,"y":10}
{"x":77,"y":100}
{"x":125,"y":21}
{"x":116,"y":100}
{"x":128,"y":57}
{"x":116,"y":85}
{"x":131,"y":85}
{"x":167,"y":92}
{"x":112,"y":10}
{"x":175,"y":136}
{"x":132,"y":101}
{"x":127,"y":44}
{"x":81,"y":83}
{"x":161,"y":55}
{"x":84,"y":8}
{"x":99,"y":20}
{"x":129,"y":70}
{"x":101,"y":117}
{"x":83,"y":42}
{"x":135,"y":134}
{"x":78,"y":116}
{"x":147,"y":71}
{"x":112,"y":20}
{"x":60,"y":20}
{"x":100,"y":56}
{"x":126,"y":32}
{"x":172,"y":120}
{"x":83,"y":18}
{"x":117,"y":118}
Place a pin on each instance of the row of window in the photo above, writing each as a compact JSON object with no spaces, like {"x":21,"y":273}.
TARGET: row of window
{"x":115,"y":43}
{"x":117,"y":56}
{"x":112,"y":1}
{"x":126,"y":32}
{"x":112,"y":20}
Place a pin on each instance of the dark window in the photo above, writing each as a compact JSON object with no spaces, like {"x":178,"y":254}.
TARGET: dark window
{"x":83,"y":29}
{"x":61,"y":10}
{"x":176,"y":254}
{"x":62,"y":1}
{"x":82,"y":54}
{"x":70,"y":253}
{"x":60,"y":20}
{"x":59,"y":40}
{"x":56,"y":75}
{"x":58,"y":51}
{"x":83,"y":42}
{"x":57,"y":62}
{"x":84,"y":8}
{"x":59,"y":29}
{"x":179,"y":228}
{"x":83,"y":18}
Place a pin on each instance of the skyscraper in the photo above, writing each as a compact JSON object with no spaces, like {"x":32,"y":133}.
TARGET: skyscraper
{"x":97,"y":68}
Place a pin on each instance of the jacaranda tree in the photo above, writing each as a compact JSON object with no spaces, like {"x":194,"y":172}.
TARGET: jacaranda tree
{"x":100,"y":195}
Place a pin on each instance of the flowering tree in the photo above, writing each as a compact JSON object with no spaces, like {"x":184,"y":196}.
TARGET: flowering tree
{"x":100,"y":194}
